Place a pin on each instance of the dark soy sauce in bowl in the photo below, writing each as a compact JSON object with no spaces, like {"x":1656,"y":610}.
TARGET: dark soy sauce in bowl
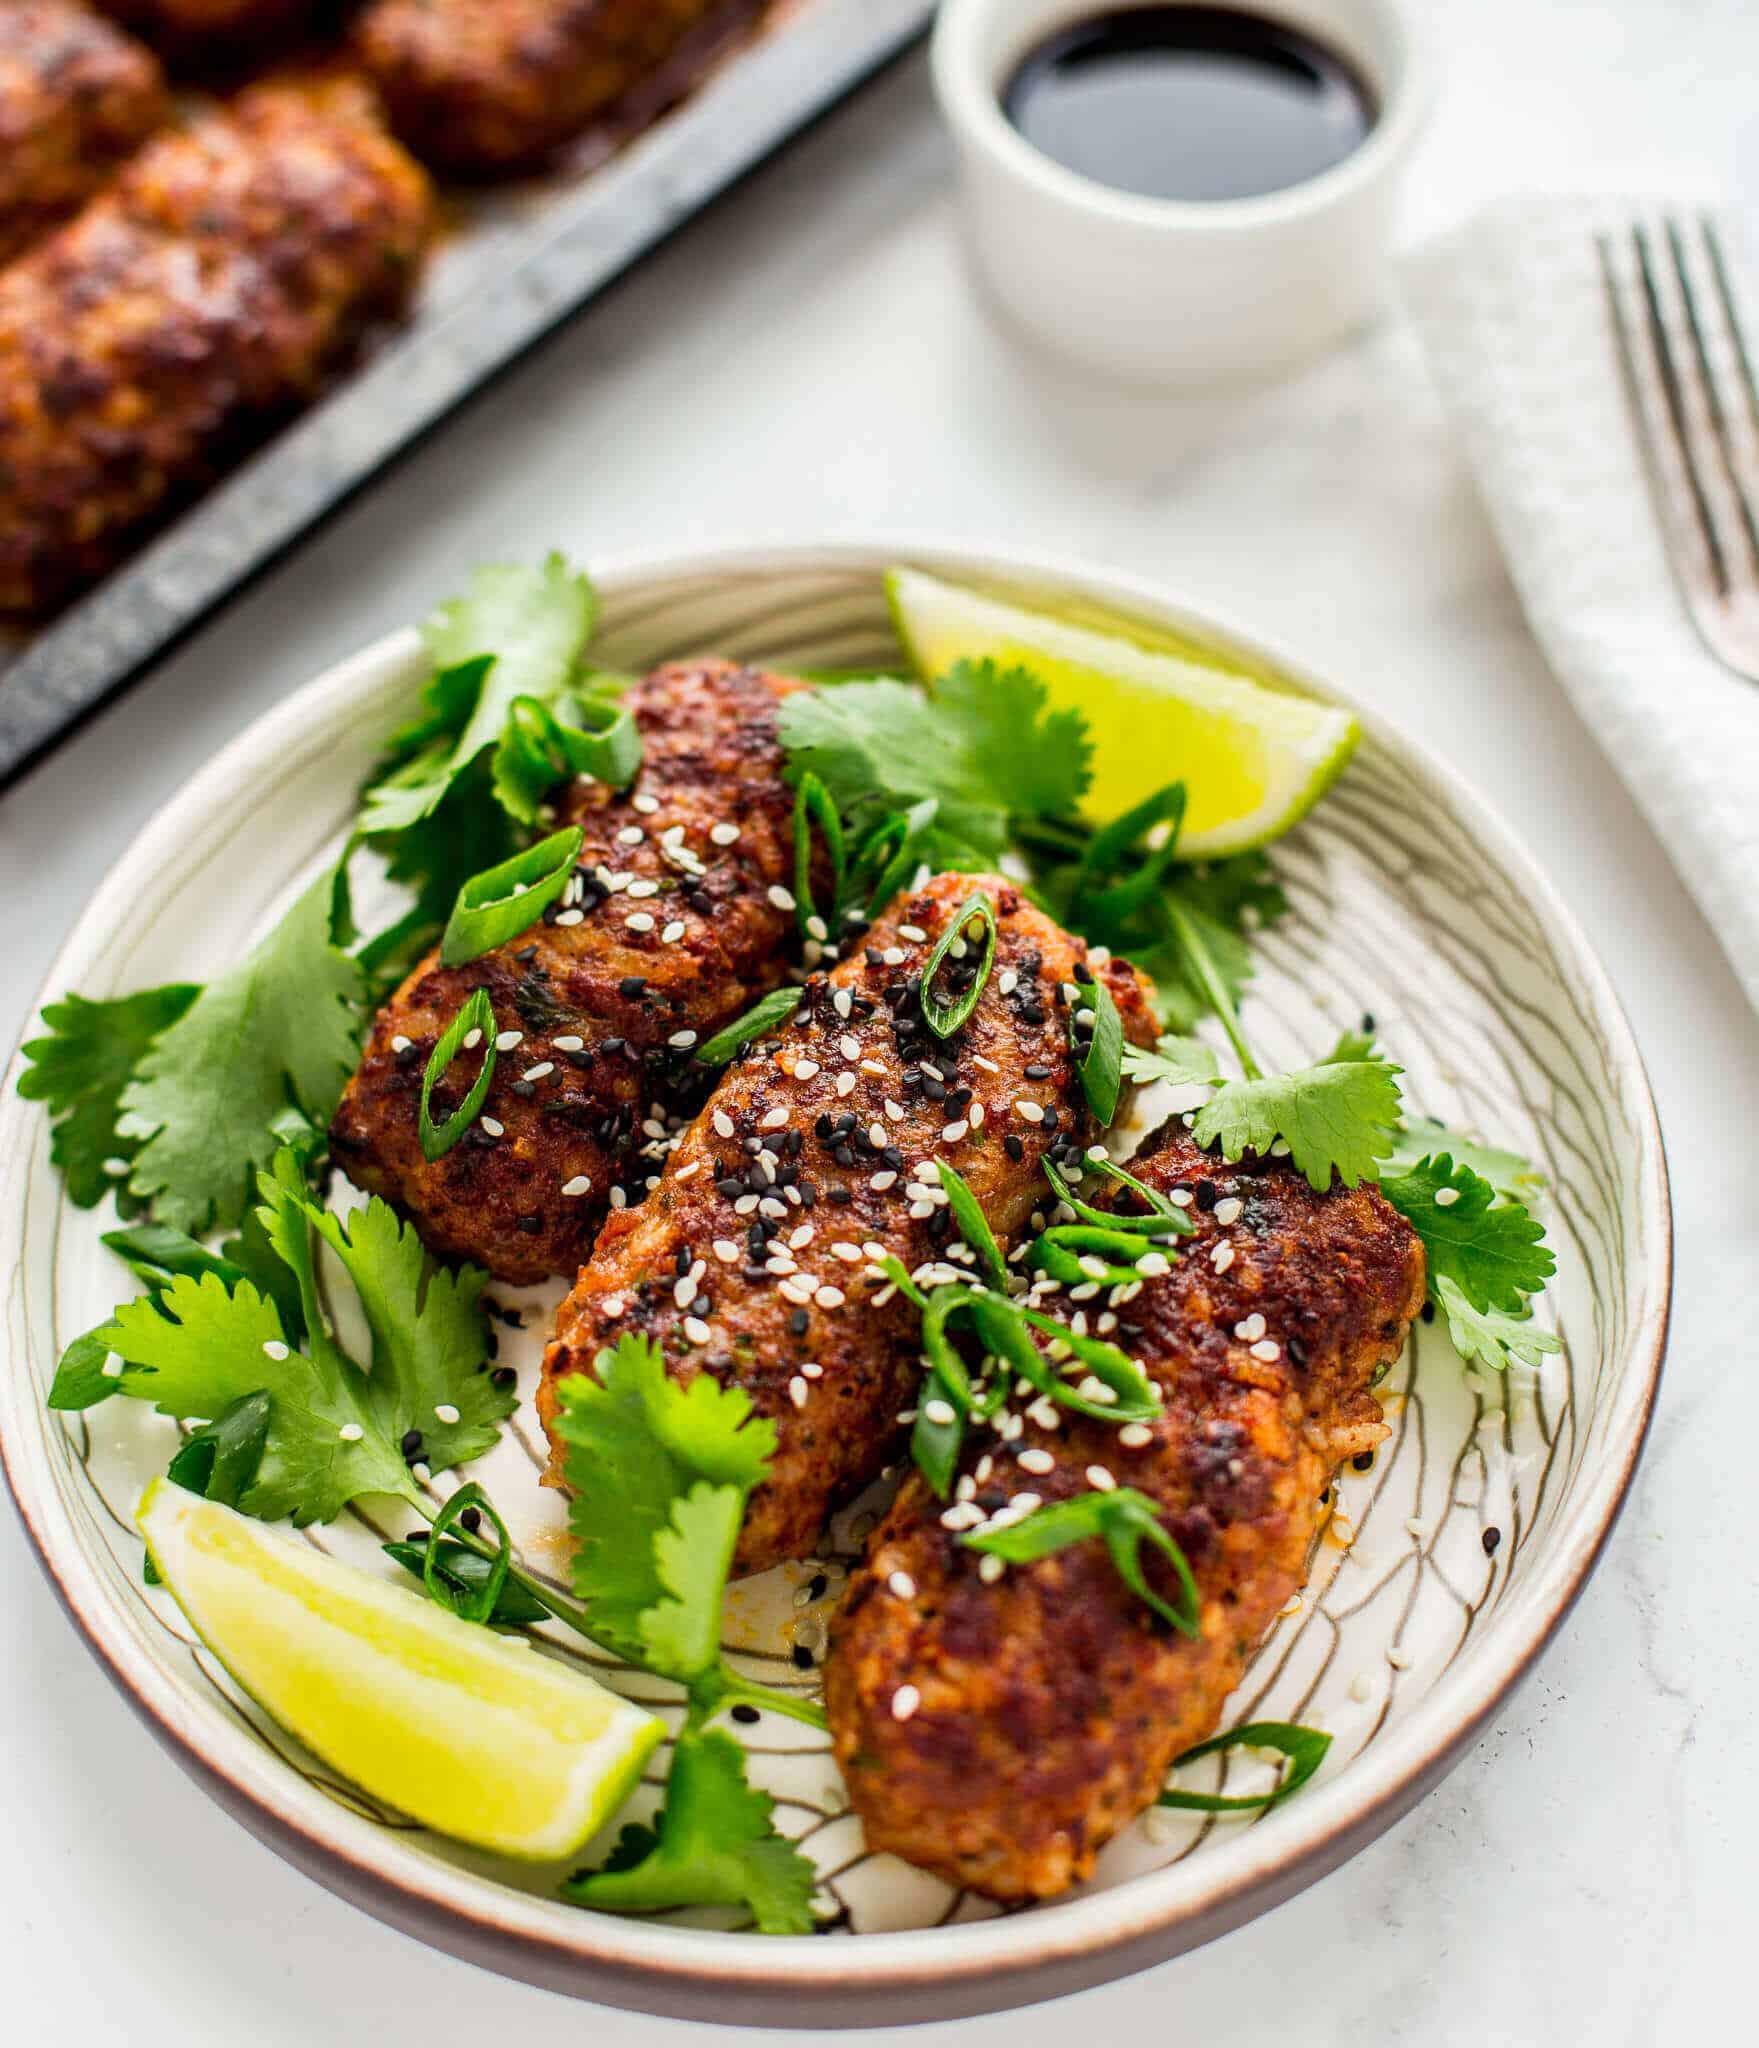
{"x":1190,"y":103}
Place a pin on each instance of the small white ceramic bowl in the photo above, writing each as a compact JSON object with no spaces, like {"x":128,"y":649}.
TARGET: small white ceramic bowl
{"x":1164,"y":292}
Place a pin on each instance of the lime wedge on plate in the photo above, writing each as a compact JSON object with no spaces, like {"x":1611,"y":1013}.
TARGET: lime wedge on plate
{"x":1159,"y":708}
{"x":474,"y":1734}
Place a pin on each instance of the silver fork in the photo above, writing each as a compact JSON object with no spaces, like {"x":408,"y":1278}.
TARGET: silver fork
{"x":1690,"y":376}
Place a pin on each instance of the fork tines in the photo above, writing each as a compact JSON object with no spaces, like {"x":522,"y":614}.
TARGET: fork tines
{"x":1685,"y":355}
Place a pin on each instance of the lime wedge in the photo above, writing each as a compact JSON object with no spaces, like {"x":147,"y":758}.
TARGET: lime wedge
{"x":1159,"y":707}
{"x":474,"y":1734}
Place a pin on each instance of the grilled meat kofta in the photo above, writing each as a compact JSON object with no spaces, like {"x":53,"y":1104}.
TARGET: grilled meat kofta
{"x":755,"y":1258}
{"x":77,"y":97}
{"x":485,"y":91}
{"x":208,"y":291}
{"x":680,"y":921}
{"x":1000,"y":1733}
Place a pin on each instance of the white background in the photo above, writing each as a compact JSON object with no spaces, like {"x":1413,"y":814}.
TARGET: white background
{"x":807,"y":360}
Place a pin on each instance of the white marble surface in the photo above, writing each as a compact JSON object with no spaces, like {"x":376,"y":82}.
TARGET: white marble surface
{"x":808,"y":360}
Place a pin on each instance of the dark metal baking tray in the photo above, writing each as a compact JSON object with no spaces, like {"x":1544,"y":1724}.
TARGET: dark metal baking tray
{"x":527,"y":259}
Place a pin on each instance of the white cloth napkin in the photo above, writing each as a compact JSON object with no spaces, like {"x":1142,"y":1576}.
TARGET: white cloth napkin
{"x":1512,"y":310}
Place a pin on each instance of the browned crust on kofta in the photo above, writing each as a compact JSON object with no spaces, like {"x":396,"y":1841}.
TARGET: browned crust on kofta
{"x":190,"y":306}
{"x":715,"y":941}
{"x":488,"y":90}
{"x":833,"y":1372}
{"x":1053,"y":1702}
{"x":77,"y":97}
{"x":224,"y":35}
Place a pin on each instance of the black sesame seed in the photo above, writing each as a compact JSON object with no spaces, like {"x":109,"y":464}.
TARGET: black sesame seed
{"x":471,"y":1519}
{"x":1428,"y":1311}
{"x":1490,"y":1539}
{"x":610,"y":1045}
{"x":798,"y":1323}
{"x":526,"y":955}
{"x":681,"y":1261}
{"x":1363,"y":1461}
{"x":802,"y":1657}
{"x":744,"y":1713}
{"x":1038,"y":1071}
{"x":632,"y":985}
{"x":1014,"y":1147}
{"x":732,"y":1187}
{"x":1368,"y":1023}
{"x":839,"y":1198}
{"x":1205,"y":1196}
{"x":816,"y":1590}
{"x":503,"y":1376}
{"x":525,"y":1090}
{"x":411,"y":1444}
{"x":702,"y":1306}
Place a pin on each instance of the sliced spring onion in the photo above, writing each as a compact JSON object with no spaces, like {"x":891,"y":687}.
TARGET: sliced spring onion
{"x":465,"y":1572}
{"x":477,"y":1014}
{"x":1124,"y":1520}
{"x":1163,"y":1219}
{"x":475,"y":1603}
{"x":1137,"y":1398}
{"x":606,"y":744}
{"x":502,"y":901}
{"x":776,"y":1008}
{"x":973,"y":1226}
{"x":1061,"y":1250}
{"x":1305,"y":1749}
{"x":1113,"y":846}
{"x":813,"y":806}
{"x":1100,"y":1067}
{"x":220,"y":1459}
{"x":943,"y":1019}
{"x":891,"y":852}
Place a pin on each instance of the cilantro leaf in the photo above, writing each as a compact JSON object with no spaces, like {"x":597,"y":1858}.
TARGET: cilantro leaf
{"x":1423,"y":1137}
{"x":80,"y":1071}
{"x":1179,"y":1062}
{"x":284,"y":1025}
{"x":1489,"y":1336}
{"x":714,"y":1843}
{"x":202,"y":1347}
{"x":1492,"y":1250}
{"x":517,"y":632}
{"x":210,"y":1336}
{"x":982,"y":744}
{"x":1338,"y":1118}
{"x":659,"y":1475}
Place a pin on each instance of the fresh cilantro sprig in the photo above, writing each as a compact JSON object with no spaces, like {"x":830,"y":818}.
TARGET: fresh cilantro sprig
{"x":210,"y":1337}
{"x":713,"y":1843}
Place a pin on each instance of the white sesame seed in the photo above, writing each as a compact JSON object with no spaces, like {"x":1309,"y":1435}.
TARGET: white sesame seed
{"x":472,"y":1039}
{"x":990,"y":1568}
{"x":942,"y":1412}
{"x":843,"y":1002}
{"x":905,"y":1701}
{"x":783,"y":899}
{"x":540,"y":1071}
{"x":639,"y":922}
{"x":1398,"y":1659}
{"x":351,"y":1432}
{"x":893,"y":956}
{"x":572,"y":917}
{"x":645,"y":804}
{"x":772,"y":1120}
{"x":641,"y":889}
{"x":570,"y":1043}
{"x":954,"y":1131}
{"x":723,"y":1123}
{"x":1268,"y":1349}
{"x":746,"y":1205}
{"x":1228,"y":1209}
{"x":851,"y":1254}
{"x":1024,"y":1504}
{"x":673,"y":932}
{"x":112,"y":1367}
{"x":802,"y":1237}
{"x":1033,"y":1112}
{"x":913,"y":932}
{"x":696,"y":1329}
{"x":805,"y":1069}
{"x":1250,"y":1329}
{"x":1415,"y":1529}
{"x":505,"y":1041}
{"x":845,"y":1083}
{"x":1445,"y":1198}
{"x":398,"y":1044}
{"x":976,"y":1117}
{"x":579,"y":1185}
{"x":902,"y":1584}
{"x":682,"y":1040}
{"x":275,"y":1349}
{"x":726,"y":1251}
{"x":798,"y":1391}
{"x":876,"y":1132}
{"x":445,"y":1412}
{"x":1036,"y":1460}
{"x":612,"y":1306}
{"x":963,"y":1514}
{"x":918,"y":1212}
{"x":882,"y":1181}
{"x":828,"y":1296}
{"x":1361,"y":1687}
{"x":769,"y":1206}
{"x":816,"y":928}
{"x":723,"y":835}
{"x":1222,"y":1257}
{"x":631,"y":835}
{"x":1180,"y":1198}
{"x":1099,"y":1478}
{"x":1280,"y":1150}
{"x":1135,"y":1436}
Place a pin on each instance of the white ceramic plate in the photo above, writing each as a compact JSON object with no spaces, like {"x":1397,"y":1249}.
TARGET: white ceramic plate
{"x":1410,"y":899}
